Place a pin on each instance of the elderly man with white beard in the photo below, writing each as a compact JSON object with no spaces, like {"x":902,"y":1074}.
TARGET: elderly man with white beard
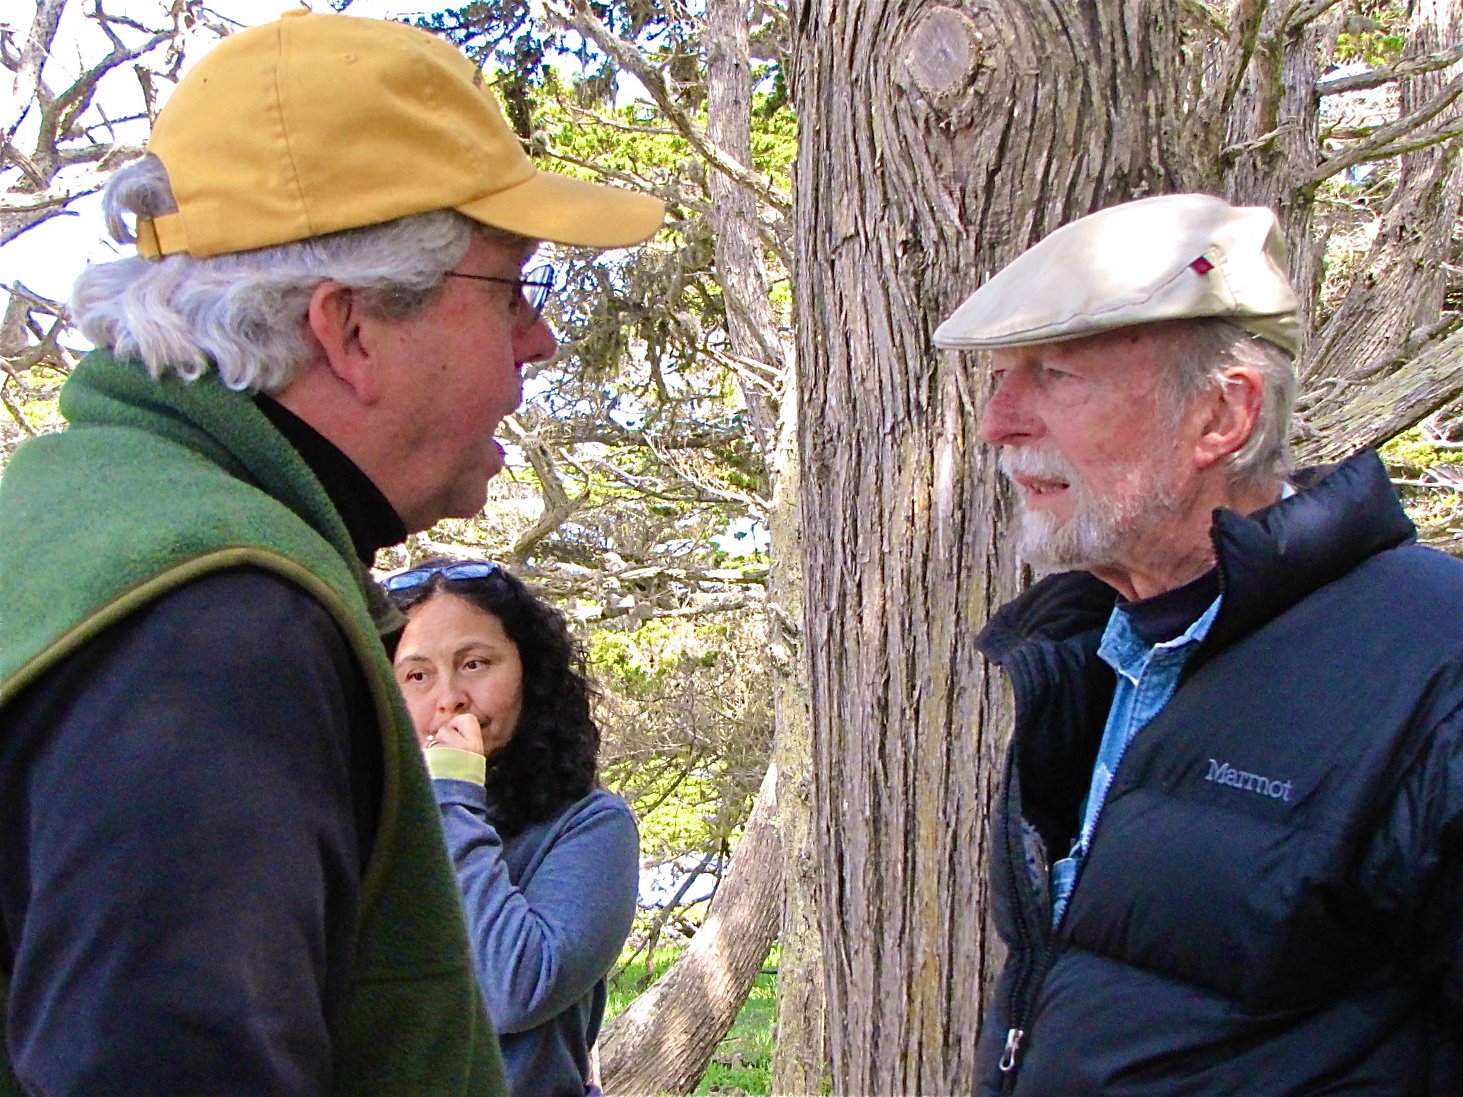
{"x":1227,"y":855}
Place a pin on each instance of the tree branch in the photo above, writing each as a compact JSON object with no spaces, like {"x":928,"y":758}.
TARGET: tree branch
{"x":61,"y":115}
{"x":28,"y":69}
{"x":15,"y":412}
{"x":1207,"y":15}
{"x":644,"y":486}
{"x":627,"y":57}
{"x":1305,"y":11}
{"x":1243,"y":34}
{"x":557,"y":504}
{"x":1434,"y":135}
{"x":605,"y":121}
{"x":1384,"y":398}
{"x":1395,"y":137}
{"x":1265,"y":140}
{"x":1385,"y":74}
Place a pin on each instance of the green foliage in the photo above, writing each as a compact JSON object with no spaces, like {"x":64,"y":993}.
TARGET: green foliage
{"x":1414,"y":453}
{"x":774,"y":136}
{"x":687,"y":729}
{"x":32,"y":400}
{"x":629,"y":979}
{"x":1375,"y":32}
{"x":1429,"y":474}
{"x":742,"y":1062}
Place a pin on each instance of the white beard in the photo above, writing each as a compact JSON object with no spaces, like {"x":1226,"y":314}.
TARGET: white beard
{"x":1100,"y":530}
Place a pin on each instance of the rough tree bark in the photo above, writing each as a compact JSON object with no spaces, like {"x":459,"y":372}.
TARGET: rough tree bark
{"x":1387,"y":357}
{"x":799,"y":1061}
{"x":937,"y":143}
{"x":938,"y":140}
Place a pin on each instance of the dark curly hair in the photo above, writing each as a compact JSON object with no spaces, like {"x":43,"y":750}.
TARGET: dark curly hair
{"x":552,"y":758}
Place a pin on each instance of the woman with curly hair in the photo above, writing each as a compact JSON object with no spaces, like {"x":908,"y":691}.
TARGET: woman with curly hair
{"x":548,"y":862}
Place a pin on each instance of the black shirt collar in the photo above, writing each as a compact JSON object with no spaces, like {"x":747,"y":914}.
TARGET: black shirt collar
{"x":1165,"y":616}
{"x":369,"y":518}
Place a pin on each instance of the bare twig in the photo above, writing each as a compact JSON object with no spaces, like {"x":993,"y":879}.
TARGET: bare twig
{"x":755,"y":372}
{"x":605,"y":121}
{"x":558,"y":507}
{"x":48,"y":347}
{"x":16,"y":413}
{"x":1265,"y":140}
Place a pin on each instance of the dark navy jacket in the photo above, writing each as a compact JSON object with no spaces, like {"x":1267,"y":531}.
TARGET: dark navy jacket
{"x":1273,"y":902}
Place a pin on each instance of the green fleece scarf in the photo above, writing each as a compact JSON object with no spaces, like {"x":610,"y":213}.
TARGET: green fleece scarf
{"x":153,"y":484}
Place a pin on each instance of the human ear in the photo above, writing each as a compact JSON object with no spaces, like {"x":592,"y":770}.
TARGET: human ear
{"x":1231,"y":409}
{"x":343,"y":331}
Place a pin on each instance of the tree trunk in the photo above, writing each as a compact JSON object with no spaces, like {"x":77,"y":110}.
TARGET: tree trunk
{"x":799,"y":1057}
{"x":936,"y":145}
{"x":663,"y":1041}
{"x":799,"y":1060}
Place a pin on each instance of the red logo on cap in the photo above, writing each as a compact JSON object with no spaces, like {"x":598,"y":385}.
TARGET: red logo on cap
{"x":1201,"y":265}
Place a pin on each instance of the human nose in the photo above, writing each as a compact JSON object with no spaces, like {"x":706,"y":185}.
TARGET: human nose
{"x":451,"y":698}
{"x":535,"y":343}
{"x":1006,"y":419}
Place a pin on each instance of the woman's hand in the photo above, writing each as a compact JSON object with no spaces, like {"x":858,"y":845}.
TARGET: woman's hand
{"x":464,"y":732}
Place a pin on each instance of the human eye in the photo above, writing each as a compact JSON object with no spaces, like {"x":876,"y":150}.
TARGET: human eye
{"x":412,"y":676}
{"x":1055,"y":374}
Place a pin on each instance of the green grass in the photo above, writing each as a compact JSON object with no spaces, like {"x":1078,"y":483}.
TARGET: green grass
{"x":742,"y":1062}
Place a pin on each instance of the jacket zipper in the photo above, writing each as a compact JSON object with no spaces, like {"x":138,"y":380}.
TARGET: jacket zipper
{"x":1033,"y":934}
{"x":1013,"y":1048}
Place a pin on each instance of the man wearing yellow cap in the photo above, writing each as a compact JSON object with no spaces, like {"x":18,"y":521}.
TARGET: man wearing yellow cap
{"x":223,"y":868}
{"x":1227,"y":855}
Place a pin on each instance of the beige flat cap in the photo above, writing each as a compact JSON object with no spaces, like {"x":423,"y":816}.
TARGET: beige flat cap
{"x":1173,"y":257}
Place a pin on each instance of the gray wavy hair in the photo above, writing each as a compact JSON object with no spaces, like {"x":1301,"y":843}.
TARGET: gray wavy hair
{"x":1201,"y":349}
{"x":244,"y":313}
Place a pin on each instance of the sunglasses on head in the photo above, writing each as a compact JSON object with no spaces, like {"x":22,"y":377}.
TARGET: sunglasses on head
{"x":450,"y":570}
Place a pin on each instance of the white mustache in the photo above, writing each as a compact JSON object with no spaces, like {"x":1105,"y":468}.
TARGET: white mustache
{"x":1038,"y":464}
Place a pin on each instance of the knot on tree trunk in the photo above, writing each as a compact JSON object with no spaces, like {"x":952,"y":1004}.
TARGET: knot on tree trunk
{"x":943,"y":53}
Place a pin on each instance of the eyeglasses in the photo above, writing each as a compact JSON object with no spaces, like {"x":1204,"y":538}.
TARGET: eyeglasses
{"x":533,"y":289}
{"x":449,"y":570}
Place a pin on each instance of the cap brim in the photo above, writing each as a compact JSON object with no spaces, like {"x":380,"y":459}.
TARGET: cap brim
{"x":561,"y":210}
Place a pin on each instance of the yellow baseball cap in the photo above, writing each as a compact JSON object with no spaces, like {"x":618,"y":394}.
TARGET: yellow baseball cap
{"x":317,"y":123}
{"x":1172,"y":257}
